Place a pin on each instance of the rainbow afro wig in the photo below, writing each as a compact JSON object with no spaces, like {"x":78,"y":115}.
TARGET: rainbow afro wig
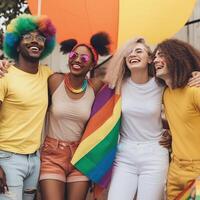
{"x":24,"y":24}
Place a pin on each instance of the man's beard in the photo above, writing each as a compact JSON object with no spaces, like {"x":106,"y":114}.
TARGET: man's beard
{"x":29,"y":58}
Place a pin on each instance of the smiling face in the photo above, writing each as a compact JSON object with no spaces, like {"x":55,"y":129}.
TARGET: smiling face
{"x":138,"y":58}
{"x":160,"y":65}
{"x":31,"y":46}
{"x":80,"y":60}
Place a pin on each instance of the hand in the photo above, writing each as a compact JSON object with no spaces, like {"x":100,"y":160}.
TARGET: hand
{"x":166,"y":139}
{"x":3,"y":185}
{"x":195,"y":79}
{"x":4,"y":65}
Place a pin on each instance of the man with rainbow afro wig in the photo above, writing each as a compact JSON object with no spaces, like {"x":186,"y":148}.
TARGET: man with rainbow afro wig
{"x":26,"y":24}
{"x":23,"y":104}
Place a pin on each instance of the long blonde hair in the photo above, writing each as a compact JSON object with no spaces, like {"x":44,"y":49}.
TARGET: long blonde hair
{"x":117,"y":69}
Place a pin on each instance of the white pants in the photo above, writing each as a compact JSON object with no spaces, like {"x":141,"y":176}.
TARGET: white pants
{"x":139,"y":167}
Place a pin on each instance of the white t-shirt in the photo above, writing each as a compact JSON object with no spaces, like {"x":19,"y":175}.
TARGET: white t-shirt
{"x":141,"y":111}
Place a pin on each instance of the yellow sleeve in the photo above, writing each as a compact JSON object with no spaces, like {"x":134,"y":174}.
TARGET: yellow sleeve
{"x":197,"y":97}
{"x":47,"y":70}
{"x":3,"y":88}
{"x":50,"y":71}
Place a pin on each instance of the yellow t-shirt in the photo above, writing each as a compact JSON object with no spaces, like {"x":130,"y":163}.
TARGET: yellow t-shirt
{"x":24,"y":99}
{"x":182,"y":109}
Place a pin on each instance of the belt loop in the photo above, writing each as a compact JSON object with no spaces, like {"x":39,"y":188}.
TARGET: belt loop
{"x":57,"y":144}
{"x":72,"y":147}
{"x":172,"y":158}
{"x":175,"y":160}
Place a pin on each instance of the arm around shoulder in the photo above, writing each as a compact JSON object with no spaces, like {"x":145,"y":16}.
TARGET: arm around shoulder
{"x":3,"y":89}
{"x":54,"y":81}
{"x":96,"y":84}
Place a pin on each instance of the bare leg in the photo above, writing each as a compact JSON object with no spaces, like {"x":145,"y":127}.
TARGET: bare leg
{"x":52,"y":189}
{"x":77,"y":190}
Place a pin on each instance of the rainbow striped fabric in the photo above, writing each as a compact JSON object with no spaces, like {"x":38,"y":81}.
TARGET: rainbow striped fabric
{"x":186,"y":193}
{"x":197,"y":186}
{"x":95,"y":154}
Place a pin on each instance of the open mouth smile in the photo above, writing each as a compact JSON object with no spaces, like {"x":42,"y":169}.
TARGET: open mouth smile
{"x":133,"y":60}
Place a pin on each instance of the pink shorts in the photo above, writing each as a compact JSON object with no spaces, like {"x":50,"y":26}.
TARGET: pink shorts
{"x":55,"y":161}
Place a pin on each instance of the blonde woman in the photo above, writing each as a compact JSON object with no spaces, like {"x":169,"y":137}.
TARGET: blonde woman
{"x":141,"y":163}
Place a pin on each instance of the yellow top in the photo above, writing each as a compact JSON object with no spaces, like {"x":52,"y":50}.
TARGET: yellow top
{"x":182,"y":108}
{"x":24,"y":99}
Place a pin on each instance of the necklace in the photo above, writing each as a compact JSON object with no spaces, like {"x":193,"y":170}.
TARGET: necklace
{"x":73,"y":90}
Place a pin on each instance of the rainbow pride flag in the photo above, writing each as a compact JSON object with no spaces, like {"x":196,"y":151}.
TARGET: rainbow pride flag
{"x":185,"y":194}
{"x":197,"y":186}
{"x":96,"y":152}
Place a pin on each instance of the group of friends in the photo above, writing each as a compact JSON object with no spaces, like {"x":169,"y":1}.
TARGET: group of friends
{"x":31,"y":94}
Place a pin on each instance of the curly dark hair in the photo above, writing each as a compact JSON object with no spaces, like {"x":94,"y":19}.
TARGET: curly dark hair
{"x":181,"y":58}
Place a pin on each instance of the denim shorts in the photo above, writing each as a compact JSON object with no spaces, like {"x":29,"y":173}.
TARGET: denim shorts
{"x":22,"y":172}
